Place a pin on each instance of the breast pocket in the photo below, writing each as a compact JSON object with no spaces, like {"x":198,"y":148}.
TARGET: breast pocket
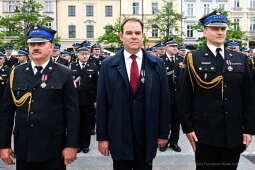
{"x":206,"y":72}
{"x":19,"y":90}
{"x":235,"y":68}
{"x":54,"y":92}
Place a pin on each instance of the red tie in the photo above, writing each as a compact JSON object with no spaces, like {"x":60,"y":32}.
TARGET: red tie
{"x":134,"y":75}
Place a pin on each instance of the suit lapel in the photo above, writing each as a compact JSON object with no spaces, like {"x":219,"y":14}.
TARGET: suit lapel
{"x":120,"y":65}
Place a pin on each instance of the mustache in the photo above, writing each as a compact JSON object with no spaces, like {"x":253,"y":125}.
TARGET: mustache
{"x":36,"y":51}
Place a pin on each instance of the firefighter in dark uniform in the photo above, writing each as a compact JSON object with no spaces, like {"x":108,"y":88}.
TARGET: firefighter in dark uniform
{"x":182,"y":51}
{"x":67,"y":56}
{"x":172,"y":64}
{"x":4,"y":72}
{"x":9,"y":59}
{"x":22,"y":57}
{"x":73,"y":55}
{"x":85,"y":74}
{"x":216,"y":100}
{"x":43,"y":96}
{"x":56,"y":56}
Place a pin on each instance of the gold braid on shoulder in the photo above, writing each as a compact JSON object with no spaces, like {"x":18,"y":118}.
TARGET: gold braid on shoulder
{"x":203,"y":84}
{"x":19,"y":102}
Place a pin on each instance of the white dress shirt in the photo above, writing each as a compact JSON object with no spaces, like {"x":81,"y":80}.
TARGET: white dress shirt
{"x":171,"y":57}
{"x":213,"y":50}
{"x":128,"y":61}
{"x":35,"y":70}
{"x":82,"y":65}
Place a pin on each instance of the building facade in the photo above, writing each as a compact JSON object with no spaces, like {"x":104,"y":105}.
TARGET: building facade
{"x":8,"y":7}
{"x":80,"y":20}
{"x":243,"y":13}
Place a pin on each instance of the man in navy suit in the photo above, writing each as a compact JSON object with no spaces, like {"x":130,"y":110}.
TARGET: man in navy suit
{"x":133,"y":113}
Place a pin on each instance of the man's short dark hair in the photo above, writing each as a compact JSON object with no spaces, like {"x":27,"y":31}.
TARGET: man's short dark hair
{"x":131,"y":19}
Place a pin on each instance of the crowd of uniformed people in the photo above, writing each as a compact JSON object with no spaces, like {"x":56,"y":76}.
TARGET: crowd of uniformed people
{"x":85,"y":62}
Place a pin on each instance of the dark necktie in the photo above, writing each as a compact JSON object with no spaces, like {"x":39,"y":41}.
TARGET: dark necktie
{"x":134,"y":75}
{"x":38,"y":74}
{"x":83,"y":66}
{"x":172,"y":59}
{"x":220,"y":60}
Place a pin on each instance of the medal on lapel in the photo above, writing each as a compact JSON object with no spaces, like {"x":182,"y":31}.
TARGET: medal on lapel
{"x":229,"y":63}
{"x":44,"y":79}
{"x":230,"y":68}
{"x":142,"y":76}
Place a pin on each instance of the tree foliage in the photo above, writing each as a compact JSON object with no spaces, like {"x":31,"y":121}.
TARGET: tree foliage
{"x":166,"y":20}
{"x":16,"y":26}
{"x":111,"y":35}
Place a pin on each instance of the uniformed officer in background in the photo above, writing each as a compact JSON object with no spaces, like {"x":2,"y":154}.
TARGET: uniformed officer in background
{"x":9,"y":59}
{"x":182,"y":51}
{"x":56,"y":56}
{"x":85,"y":74}
{"x":67,"y":56}
{"x":22,"y":57}
{"x":43,"y":96}
{"x":172,"y":60}
{"x":4,"y":72}
{"x":216,"y":100}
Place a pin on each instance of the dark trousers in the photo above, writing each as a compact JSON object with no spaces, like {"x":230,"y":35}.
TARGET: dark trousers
{"x":85,"y":125}
{"x":215,"y":158}
{"x":175,"y":126}
{"x":54,"y":164}
{"x":139,"y":162}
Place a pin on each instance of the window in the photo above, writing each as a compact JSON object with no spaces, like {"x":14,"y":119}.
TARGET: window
{"x":72,"y":31}
{"x":169,"y":5}
{"x":47,"y":6}
{"x":252,"y":3}
{"x":89,"y":10}
{"x":236,"y":23}
{"x":190,"y":10}
{"x":171,"y":30}
{"x":90,"y":31}
{"x":154,"y":32}
{"x":222,"y":6}
{"x":189,"y":31}
{"x":154,"y":6}
{"x":252,"y":25}
{"x":206,"y":9}
{"x":48,"y":24}
{"x":71,"y":11}
{"x":11,"y":6}
{"x":236,"y":4}
{"x":135,"y":8}
{"x":108,"y":11}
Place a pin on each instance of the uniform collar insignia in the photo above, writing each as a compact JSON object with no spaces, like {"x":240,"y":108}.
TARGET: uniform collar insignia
{"x":50,"y":68}
{"x":206,"y":54}
{"x":27,"y":68}
{"x":230,"y":54}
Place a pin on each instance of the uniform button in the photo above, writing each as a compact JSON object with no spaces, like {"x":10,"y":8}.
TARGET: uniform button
{"x":34,"y":89}
{"x":33,"y":101}
{"x":226,"y":99}
{"x":225,"y":85}
{"x":32,"y":125}
{"x":226,"y":113}
{"x":31,"y":113}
